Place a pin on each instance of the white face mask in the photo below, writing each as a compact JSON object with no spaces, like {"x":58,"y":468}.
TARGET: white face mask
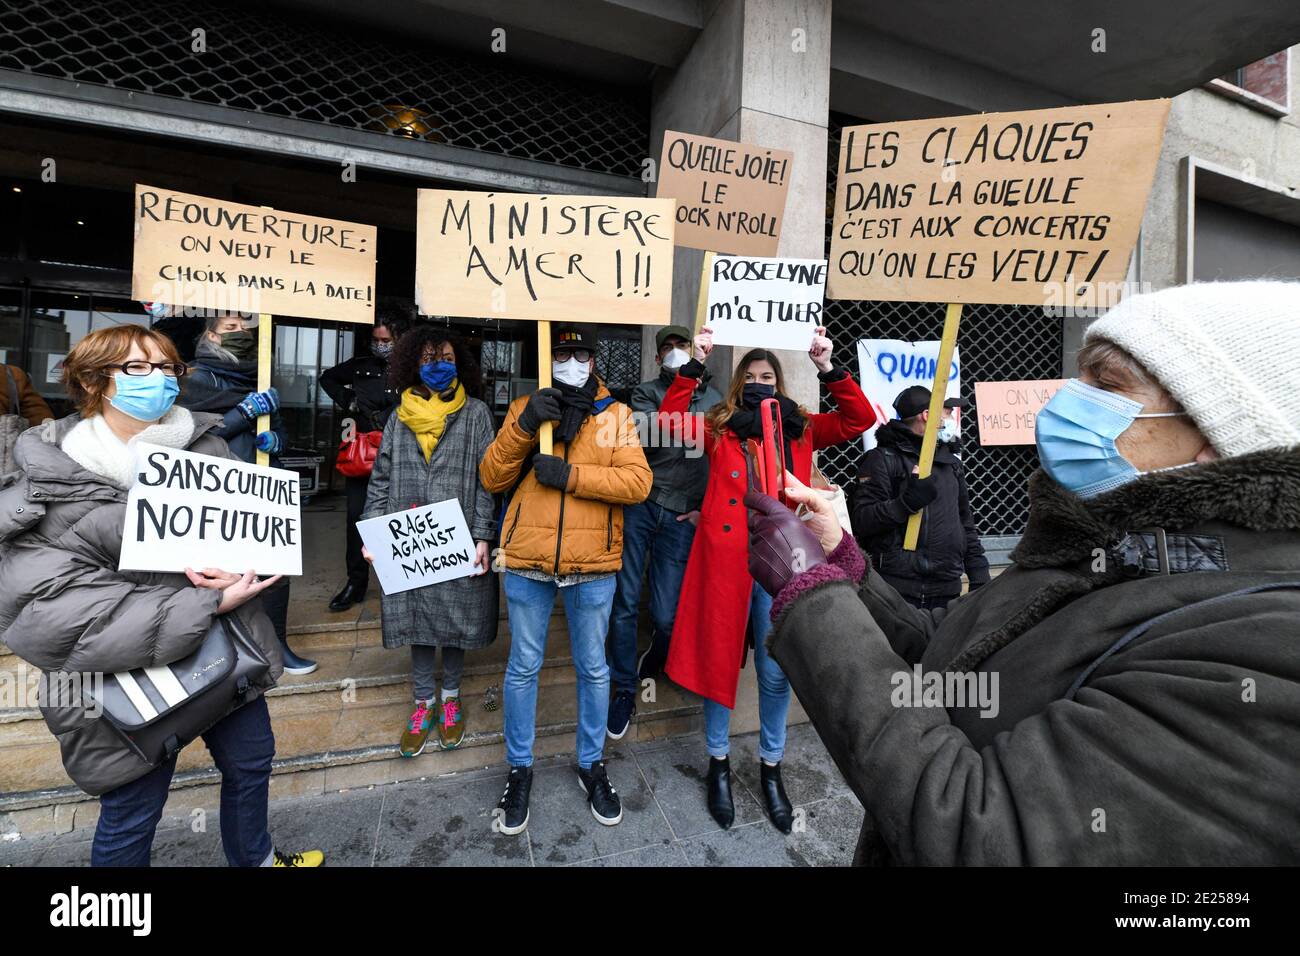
{"x":572,"y":372}
{"x":676,"y":359}
{"x":949,"y":430}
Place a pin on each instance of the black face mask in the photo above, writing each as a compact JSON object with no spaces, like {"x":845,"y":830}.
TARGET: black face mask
{"x":241,"y":343}
{"x":755,"y":392}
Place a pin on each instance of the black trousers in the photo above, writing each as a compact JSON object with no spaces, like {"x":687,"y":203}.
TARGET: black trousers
{"x":358,"y":569}
{"x":275,"y":602}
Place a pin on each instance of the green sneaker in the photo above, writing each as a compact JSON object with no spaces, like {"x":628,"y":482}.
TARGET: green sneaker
{"x":451,"y":729}
{"x":416,"y":734}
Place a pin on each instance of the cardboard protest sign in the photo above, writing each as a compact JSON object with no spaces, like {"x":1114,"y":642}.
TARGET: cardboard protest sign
{"x":887,"y":366}
{"x":730,"y":196}
{"x":768,"y":303}
{"x":201,"y":253}
{"x":1006,"y":411}
{"x":420,"y":546}
{"x":995,"y":207}
{"x":546,"y":258}
{"x":186,"y":510}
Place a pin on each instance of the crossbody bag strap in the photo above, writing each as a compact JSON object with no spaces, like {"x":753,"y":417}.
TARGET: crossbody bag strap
{"x":1136,"y":633}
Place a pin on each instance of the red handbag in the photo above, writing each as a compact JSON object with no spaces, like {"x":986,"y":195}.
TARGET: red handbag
{"x":357,"y":457}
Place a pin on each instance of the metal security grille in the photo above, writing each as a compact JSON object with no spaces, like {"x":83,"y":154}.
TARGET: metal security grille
{"x":997,"y":343}
{"x":618,"y":359}
{"x":301,"y":68}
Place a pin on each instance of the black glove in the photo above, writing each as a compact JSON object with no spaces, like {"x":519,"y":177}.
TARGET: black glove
{"x":780,"y":545}
{"x":552,"y":471}
{"x":919,"y":492}
{"x":543,"y":406}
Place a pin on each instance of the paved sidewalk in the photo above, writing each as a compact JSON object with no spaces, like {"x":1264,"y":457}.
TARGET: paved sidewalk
{"x":449,"y":820}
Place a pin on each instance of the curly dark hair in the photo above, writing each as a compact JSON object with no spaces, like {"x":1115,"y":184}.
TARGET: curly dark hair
{"x":404,"y":366}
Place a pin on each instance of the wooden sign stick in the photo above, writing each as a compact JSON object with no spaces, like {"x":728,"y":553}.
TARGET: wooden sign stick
{"x":264,"y":342}
{"x":938,"y":390}
{"x":544,"y":443}
{"x":702,"y":303}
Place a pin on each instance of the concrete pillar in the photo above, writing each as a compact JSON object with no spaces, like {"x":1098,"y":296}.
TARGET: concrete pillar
{"x":758,"y":73}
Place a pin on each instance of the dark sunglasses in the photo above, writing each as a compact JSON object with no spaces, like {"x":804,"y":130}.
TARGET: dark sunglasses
{"x":563,"y":355}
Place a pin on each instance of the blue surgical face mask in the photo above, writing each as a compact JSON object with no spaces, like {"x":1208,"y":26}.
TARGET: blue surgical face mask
{"x":145,"y":398}
{"x":1076,"y":432}
{"x":949,"y":430}
{"x":438,"y":375}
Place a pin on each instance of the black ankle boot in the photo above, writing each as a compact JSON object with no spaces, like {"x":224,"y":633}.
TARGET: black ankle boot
{"x":721,"y":807}
{"x":350,"y":595}
{"x":779,"y":810}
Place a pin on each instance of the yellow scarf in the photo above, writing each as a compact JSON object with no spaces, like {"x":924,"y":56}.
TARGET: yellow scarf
{"x":427,"y":417}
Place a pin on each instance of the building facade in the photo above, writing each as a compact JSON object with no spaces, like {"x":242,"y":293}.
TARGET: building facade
{"x":343,"y":110}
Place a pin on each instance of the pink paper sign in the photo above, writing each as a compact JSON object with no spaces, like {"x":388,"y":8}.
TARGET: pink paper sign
{"x":1005,"y":411}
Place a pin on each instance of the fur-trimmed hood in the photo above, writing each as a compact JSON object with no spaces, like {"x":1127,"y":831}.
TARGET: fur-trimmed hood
{"x":1257,"y":492}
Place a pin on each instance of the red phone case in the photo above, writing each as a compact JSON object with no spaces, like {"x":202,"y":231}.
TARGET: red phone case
{"x":773,"y":464}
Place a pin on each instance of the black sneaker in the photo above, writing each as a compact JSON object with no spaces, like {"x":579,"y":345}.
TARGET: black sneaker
{"x":512,"y":810}
{"x":601,"y":794}
{"x":621,"y":709}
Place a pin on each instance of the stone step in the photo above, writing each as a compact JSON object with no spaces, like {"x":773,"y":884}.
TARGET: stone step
{"x":311,"y":641}
{"x":322,"y":748}
{"x":359,"y":696}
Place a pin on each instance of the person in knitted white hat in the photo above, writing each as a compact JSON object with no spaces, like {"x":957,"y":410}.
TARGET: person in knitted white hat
{"x":1128,"y":691}
{"x":1175,"y":378}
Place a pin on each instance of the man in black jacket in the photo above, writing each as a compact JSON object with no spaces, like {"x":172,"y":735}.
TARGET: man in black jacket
{"x":360,"y":385}
{"x":889,"y":492}
{"x":658,"y":533}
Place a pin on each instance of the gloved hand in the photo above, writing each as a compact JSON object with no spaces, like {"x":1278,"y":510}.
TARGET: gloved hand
{"x":552,"y":471}
{"x":919,"y":492}
{"x":780,"y":545}
{"x":259,"y":403}
{"x":543,"y":406}
{"x":269,"y":442}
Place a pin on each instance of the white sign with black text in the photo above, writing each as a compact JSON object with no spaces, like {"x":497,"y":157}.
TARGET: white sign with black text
{"x":186,"y":510}
{"x":766,"y":303}
{"x":887,"y":366}
{"x":420,"y":546}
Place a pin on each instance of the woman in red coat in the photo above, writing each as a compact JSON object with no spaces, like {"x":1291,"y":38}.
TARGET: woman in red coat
{"x":718,"y":596}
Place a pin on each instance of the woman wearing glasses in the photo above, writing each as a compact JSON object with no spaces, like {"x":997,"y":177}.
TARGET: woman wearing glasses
{"x":224,"y":380}
{"x":66,"y":608}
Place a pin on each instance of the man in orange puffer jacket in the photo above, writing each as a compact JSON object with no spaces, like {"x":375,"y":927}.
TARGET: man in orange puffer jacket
{"x":563,"y":530}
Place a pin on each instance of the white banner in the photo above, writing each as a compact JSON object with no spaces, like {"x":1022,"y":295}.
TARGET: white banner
{"x":887,"y":366}
{"x":766,"y":303}
{"x":186,"y":510}
{"x":420,"y":546}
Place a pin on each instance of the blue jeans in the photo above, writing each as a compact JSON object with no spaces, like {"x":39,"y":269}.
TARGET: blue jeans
{"x":242,"y":747}
{"x":651,"y":535}
{"x":773,"y":693}
{"x":586,"y":607}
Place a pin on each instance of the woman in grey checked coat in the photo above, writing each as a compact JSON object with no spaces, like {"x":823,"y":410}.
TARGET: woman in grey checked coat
{"x":430,"y":452}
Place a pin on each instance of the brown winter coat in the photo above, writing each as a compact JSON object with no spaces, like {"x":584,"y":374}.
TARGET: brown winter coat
{"x":30,"y":404}
{"x":579,"y":531}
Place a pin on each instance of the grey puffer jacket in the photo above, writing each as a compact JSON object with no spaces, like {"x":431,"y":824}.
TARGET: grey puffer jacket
{"x":64,"y":606}
{"x":1146,"y":648}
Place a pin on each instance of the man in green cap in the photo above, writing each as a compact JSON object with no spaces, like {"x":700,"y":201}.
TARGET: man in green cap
{"x":657,"y":533}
